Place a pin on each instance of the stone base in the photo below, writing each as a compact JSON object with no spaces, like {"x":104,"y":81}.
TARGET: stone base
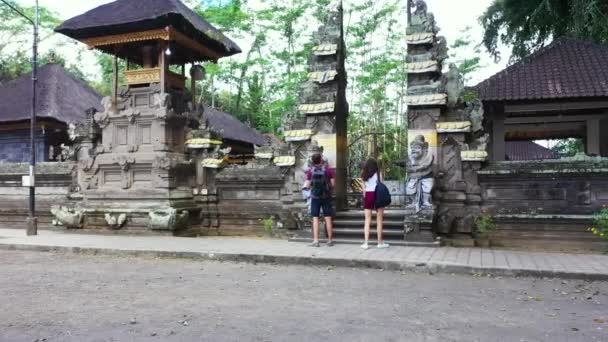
{"x":32,"y":226}
{"x":461,"y":240}
{"x":418,"y":227}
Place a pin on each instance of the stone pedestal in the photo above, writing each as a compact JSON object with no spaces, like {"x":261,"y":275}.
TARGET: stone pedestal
{"x":32,"y":226}
{"x":138,"y":176}
{"x":418,"y":226}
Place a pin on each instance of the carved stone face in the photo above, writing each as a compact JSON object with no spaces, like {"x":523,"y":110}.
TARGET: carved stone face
{"x":416,"y":152}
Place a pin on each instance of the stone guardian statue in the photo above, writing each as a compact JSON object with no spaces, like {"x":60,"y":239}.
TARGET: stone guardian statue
{"x":420,"y":181}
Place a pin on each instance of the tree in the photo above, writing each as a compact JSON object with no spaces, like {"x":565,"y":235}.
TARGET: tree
{"x":569,"y":147}
{"x":527,"y":25}
{"x":16,"y":42}
{"x":465,"y":54}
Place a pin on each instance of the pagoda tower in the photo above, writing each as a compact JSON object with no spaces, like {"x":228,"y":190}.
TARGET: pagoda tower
{"x":137,"y":174}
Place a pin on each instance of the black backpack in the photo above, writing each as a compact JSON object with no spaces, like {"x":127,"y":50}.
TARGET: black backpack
{"x":383,"y":196}
{"x":319,"y":186}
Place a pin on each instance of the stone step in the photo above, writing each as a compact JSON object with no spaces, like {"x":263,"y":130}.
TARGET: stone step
{"x":398,"y":214}
{"x":360,"y":240}
{"x":355,"y":223}
{"x":359,"y":232}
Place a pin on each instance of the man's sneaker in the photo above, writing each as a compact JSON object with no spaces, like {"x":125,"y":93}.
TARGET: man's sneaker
{"x":383,"y":245}
{"x":330,"y":243}
{"x":365,"y":245}
{"x":314,"y":244}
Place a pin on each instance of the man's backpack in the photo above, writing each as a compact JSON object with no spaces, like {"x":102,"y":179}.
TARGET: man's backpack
{"x":319,"y":186}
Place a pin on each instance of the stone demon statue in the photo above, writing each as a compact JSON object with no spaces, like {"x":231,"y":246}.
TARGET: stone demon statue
{"x":420,"y":179}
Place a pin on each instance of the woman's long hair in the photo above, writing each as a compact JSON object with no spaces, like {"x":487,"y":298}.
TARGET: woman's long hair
{"x":370,"y":167}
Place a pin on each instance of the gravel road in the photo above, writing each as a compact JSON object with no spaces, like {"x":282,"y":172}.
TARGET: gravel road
{"x":65,"y":297}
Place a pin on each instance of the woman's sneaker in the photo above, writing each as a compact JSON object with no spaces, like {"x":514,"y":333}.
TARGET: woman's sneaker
{"x":383,"y":245}
{"x":365,"y":245}
{"x":314,"y":244}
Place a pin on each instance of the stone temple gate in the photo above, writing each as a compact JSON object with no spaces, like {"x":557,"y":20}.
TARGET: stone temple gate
{"x":149,"y":163}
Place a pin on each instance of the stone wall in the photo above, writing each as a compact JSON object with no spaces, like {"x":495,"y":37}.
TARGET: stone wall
{"x":246,"y":197}
{"x":53,"y":182}
{"x":15,"y":146}
{"x":553,"y":187}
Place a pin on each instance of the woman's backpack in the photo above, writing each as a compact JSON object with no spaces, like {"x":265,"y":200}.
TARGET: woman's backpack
{"x":383,"y":196}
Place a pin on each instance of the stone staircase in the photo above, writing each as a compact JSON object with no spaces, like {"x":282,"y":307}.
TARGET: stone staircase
{"x":348,"y":228}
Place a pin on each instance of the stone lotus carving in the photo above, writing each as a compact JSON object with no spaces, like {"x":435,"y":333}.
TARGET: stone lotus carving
{"x":131,"y":114}
{"x":125,"y":163}
{"x":439,"y":52}
{"x":164,"y":163}
{"x":168,"y":219}
{"x":454,"y":86}
{"x":70,"y":218}
{"x":480,"y":143}
{"x":68,"y":153}
{"x":453,"y":127}
{"x":103,"y":118}
{"x":476,"y":113}
{"x":426,"y":100}
{"x":77,"y":132}
{"x":420,"y":179}
{"x":473,"y":155}
{"x":163,"y":103}
{"x":115,"y":221}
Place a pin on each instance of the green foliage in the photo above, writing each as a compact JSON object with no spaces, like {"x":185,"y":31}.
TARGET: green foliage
{"x":106,"y":63}
{"x":569,"y":147}
{"x":600,"y":224}
{"x":465,"y":54}
{"x":377,"y":81}
{"x":527,"y":25}
{"x":484,"y":225}
{"x":16,"y":37}
{"x":268,"y":225}
{"x":227,"y":16}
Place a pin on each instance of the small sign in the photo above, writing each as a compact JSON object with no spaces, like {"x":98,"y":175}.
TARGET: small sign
{"x":27,"y":181}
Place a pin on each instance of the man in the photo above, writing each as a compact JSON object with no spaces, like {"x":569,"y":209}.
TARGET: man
{"x":320,"y":181}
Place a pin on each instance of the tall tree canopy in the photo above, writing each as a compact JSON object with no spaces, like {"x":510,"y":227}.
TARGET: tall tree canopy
{"x":527,"y":25}
{"x":16,"y":37}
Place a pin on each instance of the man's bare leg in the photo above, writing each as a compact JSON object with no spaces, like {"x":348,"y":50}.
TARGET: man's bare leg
{"x":330,"y":228}
{"x":315,"y":229}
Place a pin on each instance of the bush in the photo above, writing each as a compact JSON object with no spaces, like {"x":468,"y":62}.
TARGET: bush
{"x":600,"y":224}
{"x":268,"y":224}
{"x":484,"y":225}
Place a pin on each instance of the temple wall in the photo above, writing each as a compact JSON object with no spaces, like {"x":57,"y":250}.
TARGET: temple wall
{"x":604,"y":138}
{"x":244,"y":197}
{"x":509,"y":192}
{"x":15,"y":146}
{"x":547,"y":204}
{"x":53,"y":181}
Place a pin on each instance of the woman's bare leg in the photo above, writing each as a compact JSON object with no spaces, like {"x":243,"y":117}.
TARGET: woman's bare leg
{"x":379,"y":224}
{"x":368,"y":222}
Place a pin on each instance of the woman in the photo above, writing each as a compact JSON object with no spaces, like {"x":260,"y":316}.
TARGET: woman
{"x":370,"y":179}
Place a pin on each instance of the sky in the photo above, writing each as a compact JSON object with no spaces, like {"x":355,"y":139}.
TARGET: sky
{"x":452,"y":17}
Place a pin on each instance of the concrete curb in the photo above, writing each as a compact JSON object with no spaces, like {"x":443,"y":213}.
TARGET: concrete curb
{"x":315,"y":261}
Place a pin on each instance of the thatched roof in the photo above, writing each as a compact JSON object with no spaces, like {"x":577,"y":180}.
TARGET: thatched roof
{"x":233,"y":128}
{"x":125,"y":16}
{"x":60,"y":96}
{"x":528,"y":150}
